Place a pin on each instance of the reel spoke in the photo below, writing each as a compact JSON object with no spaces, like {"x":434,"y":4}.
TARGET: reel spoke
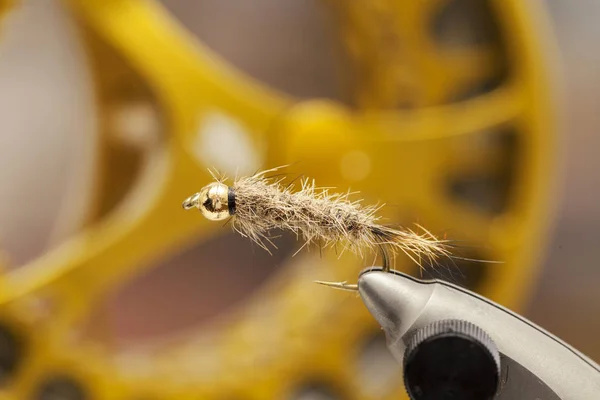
{"x":468,"y":117}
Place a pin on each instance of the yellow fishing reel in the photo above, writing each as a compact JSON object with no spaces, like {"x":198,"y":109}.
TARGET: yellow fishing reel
{"x":447,"y":118}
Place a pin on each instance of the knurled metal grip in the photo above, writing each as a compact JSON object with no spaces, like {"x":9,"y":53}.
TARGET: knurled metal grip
{"x":451,"y":359}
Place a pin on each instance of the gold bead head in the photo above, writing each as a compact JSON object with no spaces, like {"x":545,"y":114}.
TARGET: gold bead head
{"x":212,"y":201}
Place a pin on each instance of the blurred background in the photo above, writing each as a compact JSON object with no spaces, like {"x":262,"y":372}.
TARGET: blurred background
{"x":565,"y":301}
{"x":111,"y":111}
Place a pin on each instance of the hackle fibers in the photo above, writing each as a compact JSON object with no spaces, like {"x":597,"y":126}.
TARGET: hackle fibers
{"x":263,"y":204}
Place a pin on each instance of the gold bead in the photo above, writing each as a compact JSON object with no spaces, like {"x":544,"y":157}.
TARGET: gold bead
{"x":212,"y":201}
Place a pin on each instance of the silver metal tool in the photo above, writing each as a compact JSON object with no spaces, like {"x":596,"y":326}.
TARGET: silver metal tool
{"x":450,"y":339}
